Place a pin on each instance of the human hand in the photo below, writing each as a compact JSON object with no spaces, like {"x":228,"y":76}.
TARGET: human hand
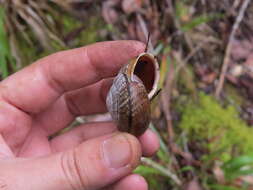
{"x":44,"y":98}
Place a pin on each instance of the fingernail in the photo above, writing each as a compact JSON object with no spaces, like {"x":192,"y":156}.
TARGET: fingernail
{"x":117,"y":151}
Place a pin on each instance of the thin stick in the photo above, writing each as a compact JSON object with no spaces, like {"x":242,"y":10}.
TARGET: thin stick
{"x":165,"y":101}
{"x":160,"y":168}
{"x":156,"y":94}
{"x":229,"y":47}
{"x":162,"y":143}
{"x":178,"y":25}
{"x":190,"y":55}
{"x":145,"y":30}
{"x":146,"y":48}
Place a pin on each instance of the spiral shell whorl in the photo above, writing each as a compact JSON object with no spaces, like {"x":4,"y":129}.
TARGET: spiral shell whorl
{"x":128,"y":100}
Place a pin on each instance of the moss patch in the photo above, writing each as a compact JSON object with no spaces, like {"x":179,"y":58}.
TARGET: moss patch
{"x":218,"y":128}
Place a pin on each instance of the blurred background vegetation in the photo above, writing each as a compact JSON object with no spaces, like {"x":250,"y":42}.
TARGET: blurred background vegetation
{"x":204,"y":114}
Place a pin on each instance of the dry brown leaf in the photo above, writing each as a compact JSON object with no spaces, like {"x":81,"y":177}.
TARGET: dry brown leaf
{"x":38,"y":30}
{"x":193,"y":185}
{"x":62,"y":3}
{"x":241,"y":49}
{"x":131,"y":29}
{"x":248,"y":65}
{"x":209,"y":78}
{"x":139,"y":33}
{"x":109,"y":13}
{"x":219,"y":174}
{"x":113,"y":2}
{"x":130,"y":6}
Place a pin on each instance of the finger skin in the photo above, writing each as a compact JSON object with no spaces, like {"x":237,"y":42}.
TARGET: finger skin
{"x":80,"y":134}
{"x":15,"y":125}
{"x":37,"y":86}
{"x":36,"y":144}
{"x":85,"y":167}
{"x":89,"y":100}
{"x":131,"y":182}
{"x":149,"y":143}
{"x":149,"y":140}
{"x":84,"y":101}
{"x":5,"y":151}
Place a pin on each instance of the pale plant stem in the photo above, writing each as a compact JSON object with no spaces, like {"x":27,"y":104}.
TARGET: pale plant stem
{"x":229,"y":47}
{"x":162,"y":144}
{"x":160,"y":168}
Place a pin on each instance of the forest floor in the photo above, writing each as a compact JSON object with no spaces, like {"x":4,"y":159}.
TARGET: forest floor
{"x":204,"y":113}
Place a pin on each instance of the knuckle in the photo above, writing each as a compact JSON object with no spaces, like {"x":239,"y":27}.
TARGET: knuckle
{"x":75,"y":175}
{"x":47,"y":72}
{"x":71,"y":104}
{"x":93,"y":62}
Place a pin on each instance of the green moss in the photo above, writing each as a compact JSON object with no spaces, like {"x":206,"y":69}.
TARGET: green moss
{"x":235,"y":96}
{"x":219,"y":129}
{"x":89,"y":34}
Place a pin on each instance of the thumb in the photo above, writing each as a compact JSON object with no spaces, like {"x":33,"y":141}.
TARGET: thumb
{"x":93,"y":164}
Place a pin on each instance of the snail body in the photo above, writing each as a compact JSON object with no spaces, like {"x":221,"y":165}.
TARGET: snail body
{"x":128,"y":100}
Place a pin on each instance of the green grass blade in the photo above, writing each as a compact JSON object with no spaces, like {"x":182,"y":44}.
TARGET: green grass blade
{"x":163,"y":171}
{"x":163,"y":153}
{"x":200,"y":20}
{"x":238,"y":162}
{"x":5,"y":54}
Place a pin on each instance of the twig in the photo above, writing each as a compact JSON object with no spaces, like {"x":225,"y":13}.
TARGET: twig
{"x":165,"y":101}
{"x":164,"y":171}
{"x":178,"y":25}
{"x":145,"y":31}
{"x":229,"y":47}
{"x":190,"y":55}
{"x":165,"y":98}
{"x":162,"y":143}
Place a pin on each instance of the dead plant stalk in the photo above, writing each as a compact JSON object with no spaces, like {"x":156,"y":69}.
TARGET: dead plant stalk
{"x":165,"y":101}
{"x":229,"y":47}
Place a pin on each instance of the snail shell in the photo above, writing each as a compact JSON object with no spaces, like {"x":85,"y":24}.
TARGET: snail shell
{"x":128,"y":100}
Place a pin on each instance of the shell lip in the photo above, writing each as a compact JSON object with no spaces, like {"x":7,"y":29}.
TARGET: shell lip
{"x":155,"y":71}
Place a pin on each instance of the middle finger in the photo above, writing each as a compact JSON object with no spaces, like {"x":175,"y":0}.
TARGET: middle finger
{"x":85,"y":101}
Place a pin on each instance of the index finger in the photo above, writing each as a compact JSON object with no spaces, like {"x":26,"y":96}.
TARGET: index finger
{"x":40,"y":84}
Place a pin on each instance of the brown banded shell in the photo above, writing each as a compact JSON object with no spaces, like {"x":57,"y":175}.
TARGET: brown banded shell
{"x":128,"y":100}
